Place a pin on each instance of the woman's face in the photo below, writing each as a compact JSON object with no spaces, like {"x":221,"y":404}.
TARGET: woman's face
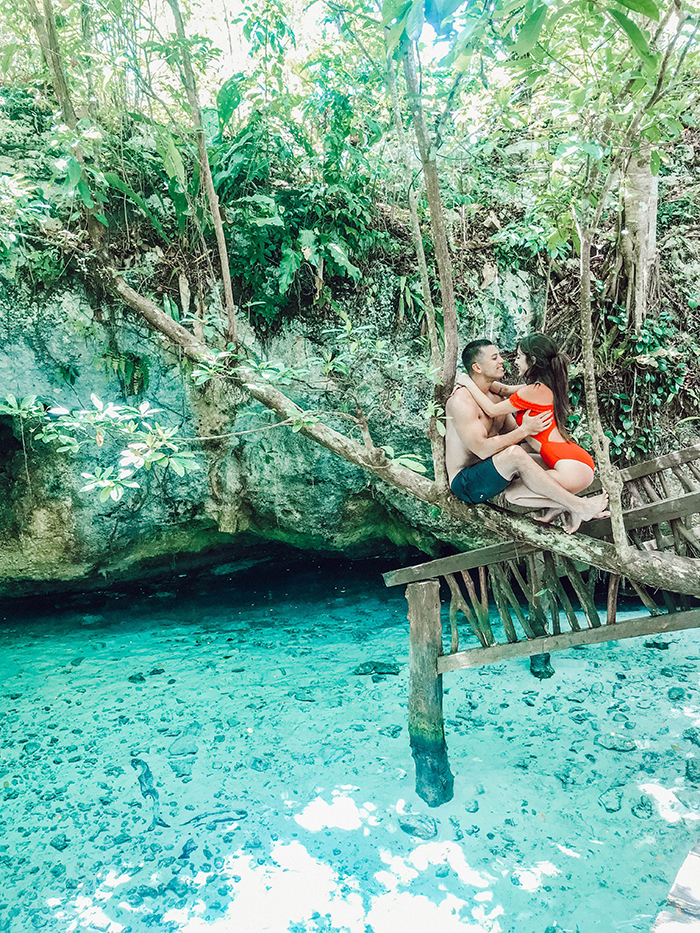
{"x":521,"y":361}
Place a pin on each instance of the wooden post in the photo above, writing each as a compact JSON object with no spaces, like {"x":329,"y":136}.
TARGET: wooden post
{"x":434,"y":780}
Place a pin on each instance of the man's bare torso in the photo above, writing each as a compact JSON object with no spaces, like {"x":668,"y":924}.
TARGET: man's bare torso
{"x":462,"y":406}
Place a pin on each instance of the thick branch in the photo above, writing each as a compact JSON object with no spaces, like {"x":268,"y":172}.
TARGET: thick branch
{"x":679,"y":574}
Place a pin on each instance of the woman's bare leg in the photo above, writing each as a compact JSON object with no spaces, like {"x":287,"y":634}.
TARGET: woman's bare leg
{"x":572,"y":475}
{"x":547,"y":491}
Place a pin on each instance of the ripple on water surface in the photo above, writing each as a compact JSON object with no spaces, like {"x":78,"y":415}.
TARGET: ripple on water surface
{"x":232,"y":755}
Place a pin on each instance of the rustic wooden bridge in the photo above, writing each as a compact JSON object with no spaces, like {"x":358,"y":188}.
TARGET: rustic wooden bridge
{"x":525,"y":585}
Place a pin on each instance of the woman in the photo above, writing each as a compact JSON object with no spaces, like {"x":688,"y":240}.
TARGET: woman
{"x":546,"y":389}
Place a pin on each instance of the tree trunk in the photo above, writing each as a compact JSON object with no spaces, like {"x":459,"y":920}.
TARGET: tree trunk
{"x":47,"y":33}
{"x":212,"y":198}
{"x":609,"y":476}
{"x":437,"y":360}
{"x":426,"y":150}
{"x":45,"y":28}
{"x":640,"y":199}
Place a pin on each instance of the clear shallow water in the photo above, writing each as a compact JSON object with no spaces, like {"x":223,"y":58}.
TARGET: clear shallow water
{"x":206,"y":760}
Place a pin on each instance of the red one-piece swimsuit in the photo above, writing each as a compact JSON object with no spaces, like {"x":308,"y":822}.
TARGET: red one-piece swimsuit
{"x":550,"y":451}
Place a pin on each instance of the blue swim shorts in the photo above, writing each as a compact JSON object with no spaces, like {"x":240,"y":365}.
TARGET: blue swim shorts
{"x":478,"y":482}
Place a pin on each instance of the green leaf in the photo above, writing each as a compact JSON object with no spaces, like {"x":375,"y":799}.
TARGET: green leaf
{"x":229,"y":97}
{"x":341,"y":258}
{"x":391,"y":9}
{"x":291,"y":261}
{"x":636,"y":37}
{"x":104,"y":494}
{"x":592,"y":149}
{"x":645,"y":7}
{"x":415,"y":21}
{"x":394,"y":34}
{"x":655,"y":162}
{"x":307,"y":240}
{"x":115,"y":181}
{"x":169,"y":153}
{"x":177,"y":466}
{"x":84,"y":193}
{"x":74,"y":172}
{"x":529,"y":34}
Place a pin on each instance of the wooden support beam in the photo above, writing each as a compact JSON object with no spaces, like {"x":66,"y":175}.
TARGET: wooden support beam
{"x":613,"y":590}
{"x":480,"y":557}
{"x":647,"y":467}
{"x":434,"y":780}
{"x":647,"y":625}
{"x":585,"y":596}
{"x":655,"y":512}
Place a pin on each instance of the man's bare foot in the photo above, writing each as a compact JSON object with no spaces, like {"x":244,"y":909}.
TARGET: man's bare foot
{"x":550,"y":515}
{"x":595,"y":507}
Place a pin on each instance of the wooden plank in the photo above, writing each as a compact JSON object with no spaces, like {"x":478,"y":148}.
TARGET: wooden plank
{"x":479,"y":557}
{"x":673,"y":922}
{"x":683,"y":911}
{"x":647,"y":625}
{"x":647,"y":467}
{"x":685,"y":893}
{"x":656,"y":512}
{"x":434,"y":780}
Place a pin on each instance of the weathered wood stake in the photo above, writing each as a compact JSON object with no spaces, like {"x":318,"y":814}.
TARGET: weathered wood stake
{"x":434,"y":780}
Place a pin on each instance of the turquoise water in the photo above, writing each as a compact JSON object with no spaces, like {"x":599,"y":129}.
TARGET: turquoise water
{"x":205,"y":759}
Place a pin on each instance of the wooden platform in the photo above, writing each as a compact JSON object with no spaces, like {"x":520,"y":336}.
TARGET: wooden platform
{"x":661,"y":500}
{"x":533,"y":592}
{"x":682,"y":914}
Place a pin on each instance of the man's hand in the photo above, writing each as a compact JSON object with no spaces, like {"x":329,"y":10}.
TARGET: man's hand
{"x":533,"y":424}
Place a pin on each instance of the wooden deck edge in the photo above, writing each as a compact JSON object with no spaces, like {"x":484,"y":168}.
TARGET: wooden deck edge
{"x":467,"y":560}
{"x":643,"y":515}
{"x":683,"y":907}
{"x":647,"y":467}
{"x":647,"y":625}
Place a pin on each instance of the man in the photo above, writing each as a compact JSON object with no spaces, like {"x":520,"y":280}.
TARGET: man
{"x":483,"y":456}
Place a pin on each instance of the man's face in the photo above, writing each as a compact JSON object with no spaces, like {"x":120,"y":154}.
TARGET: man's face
{"x":490,"y":363}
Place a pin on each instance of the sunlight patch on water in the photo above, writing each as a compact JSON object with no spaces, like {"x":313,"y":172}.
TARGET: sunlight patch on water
{"x":341,"y":813}
{"x":532,"y":878}
{"x":669,"y":806}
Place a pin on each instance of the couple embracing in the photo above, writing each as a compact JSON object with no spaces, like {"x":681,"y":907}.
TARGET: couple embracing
{"x":487,"y":421}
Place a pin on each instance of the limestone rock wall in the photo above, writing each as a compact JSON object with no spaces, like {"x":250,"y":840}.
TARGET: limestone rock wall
{"x":261,"y":485}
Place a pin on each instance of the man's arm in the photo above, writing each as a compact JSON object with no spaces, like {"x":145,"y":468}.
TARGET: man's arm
{"x":473,"y":433}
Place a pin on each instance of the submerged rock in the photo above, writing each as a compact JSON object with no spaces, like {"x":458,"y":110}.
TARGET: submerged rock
{"x":675,"y":694}
{"x":392,"y":731}
{"x":377,"y":667}
{"x":692,"y":770}
{"x":643,"y":810}
{"x":615,"y":743}
{"x":611,"y":800}
{"x":692,"y":735}
{"x":540,"y":667}
{"x":59,"y":842}
{"x":137,"y":679}
{"x":659,"y":645}
{"x":423,"y":827}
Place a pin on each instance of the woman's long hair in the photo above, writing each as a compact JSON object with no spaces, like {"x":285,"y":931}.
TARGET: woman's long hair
{"x":546,"y":364}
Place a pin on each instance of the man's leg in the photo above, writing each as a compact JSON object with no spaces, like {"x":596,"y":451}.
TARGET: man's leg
{"x":540,"y":490}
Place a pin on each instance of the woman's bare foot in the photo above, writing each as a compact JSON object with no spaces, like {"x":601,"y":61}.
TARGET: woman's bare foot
{"x":550,"y":514}
{"x":595,"y":507}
